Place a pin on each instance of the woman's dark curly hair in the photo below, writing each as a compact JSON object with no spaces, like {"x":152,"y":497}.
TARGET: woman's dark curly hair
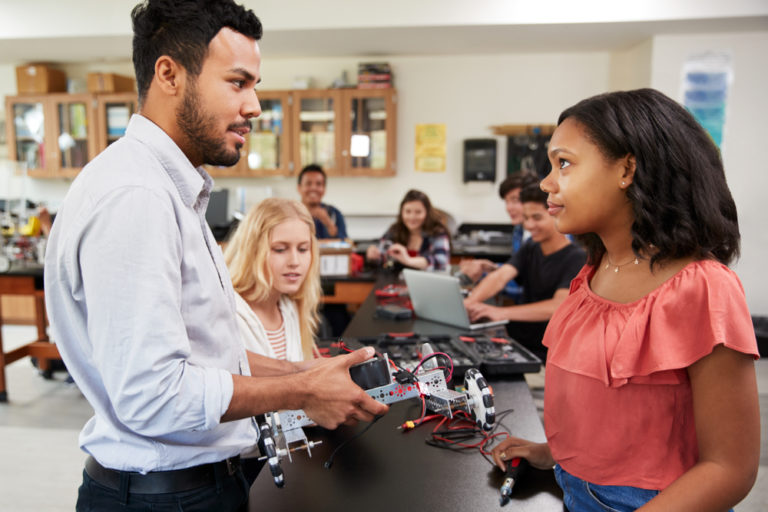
{"x":182,"y":29}
{"x":433,"y":225}
{"x":681,"y":203}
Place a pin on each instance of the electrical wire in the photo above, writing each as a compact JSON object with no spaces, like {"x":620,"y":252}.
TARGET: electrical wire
{"x":460,"y":433}
{"x":449,"y":373}
{"x":328,"y":463}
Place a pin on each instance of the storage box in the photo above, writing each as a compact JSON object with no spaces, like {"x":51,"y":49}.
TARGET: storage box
{"x":335,"y":257}
{"x":39,"y":78}
{"x":110,"y":82}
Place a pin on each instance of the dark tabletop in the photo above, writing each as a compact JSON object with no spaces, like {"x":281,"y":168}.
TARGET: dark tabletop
{"x":387,"y":469}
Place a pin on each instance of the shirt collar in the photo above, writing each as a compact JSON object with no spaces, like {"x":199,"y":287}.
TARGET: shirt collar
{"x":193,"y":183}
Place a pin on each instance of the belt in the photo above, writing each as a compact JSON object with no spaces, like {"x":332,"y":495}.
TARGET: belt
{"x":162,"y":482}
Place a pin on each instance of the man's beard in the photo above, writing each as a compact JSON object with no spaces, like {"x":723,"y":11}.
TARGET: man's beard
{"x":197,"y":126}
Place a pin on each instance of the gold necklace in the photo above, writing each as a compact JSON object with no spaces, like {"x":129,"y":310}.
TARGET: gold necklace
{"x":617,"y":267}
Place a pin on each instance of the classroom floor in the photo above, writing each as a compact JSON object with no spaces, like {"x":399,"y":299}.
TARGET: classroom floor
{"x":41,"y":465}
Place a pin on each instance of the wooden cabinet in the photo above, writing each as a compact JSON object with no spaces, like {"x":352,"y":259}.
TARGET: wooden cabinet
{"x":54,"y":134}
{"x":349,"y":132}
{"x":57,"y":134}
{"x":316,"y":129}
{"x":368,"y":139}
{"x":267,"y":148}
{"x":113,"y":111}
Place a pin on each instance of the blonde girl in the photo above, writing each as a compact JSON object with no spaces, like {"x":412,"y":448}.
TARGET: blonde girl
{"x":274,"y":265}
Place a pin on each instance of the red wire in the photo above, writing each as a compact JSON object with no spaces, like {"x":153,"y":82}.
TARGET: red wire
{"x":462,"y":417}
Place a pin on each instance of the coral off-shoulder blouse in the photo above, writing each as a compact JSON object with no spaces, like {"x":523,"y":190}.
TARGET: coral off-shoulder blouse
{"x":617,"y":399}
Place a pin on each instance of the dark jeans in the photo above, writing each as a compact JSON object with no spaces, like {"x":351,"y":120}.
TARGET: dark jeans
{"x":229,"y":493}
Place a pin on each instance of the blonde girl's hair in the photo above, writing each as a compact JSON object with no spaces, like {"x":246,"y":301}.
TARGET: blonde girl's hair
{"x":246,"y":256}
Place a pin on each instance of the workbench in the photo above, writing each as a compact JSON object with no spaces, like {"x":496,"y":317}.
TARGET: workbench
{"x":387,"y":469}
{"x":26,"y":281}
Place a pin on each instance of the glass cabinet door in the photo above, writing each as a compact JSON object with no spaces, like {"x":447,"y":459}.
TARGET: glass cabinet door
{"x":267,"y":149}
{"x":316,"y":129}
{"x":113,"y":113}
{"x":72,"y":134}
{"x":369,"y":137}
{"x":29,"y":128}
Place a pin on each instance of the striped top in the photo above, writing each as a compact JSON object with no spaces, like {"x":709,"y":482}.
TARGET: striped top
{"x":276,"y":339}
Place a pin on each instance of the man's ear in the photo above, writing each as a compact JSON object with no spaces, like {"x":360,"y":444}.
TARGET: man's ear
{"x":169,"y":75}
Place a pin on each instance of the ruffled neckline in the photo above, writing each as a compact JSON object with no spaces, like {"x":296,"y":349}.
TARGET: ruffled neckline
{"x":670,"y":328}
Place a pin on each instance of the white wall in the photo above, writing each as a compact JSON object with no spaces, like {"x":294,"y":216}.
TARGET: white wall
{"x":469,"y":94}
{"x":631,"y":68}
{"x":744,"y":140}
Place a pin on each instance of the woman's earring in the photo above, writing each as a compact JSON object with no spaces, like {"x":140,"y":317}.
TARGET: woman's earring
{"x":623,"y":183}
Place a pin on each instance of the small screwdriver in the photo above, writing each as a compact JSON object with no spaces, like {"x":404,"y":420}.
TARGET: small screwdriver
{"x":515,"y":469}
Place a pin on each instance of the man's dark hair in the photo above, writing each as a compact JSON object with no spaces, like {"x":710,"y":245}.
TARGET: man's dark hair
{"x":312,"y":168}
{"x":532,"y":193}
{"x":517,"y":180}
{"x":182,"y":29}
{"x":679,"y":195}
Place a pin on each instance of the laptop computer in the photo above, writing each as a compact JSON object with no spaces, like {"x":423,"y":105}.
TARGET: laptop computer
{"x":437,"y":297}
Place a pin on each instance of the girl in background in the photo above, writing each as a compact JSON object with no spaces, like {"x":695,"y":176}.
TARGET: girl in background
{"x":418,"y":239}
{"x":274,"y":265}
{"x":650,"y":394}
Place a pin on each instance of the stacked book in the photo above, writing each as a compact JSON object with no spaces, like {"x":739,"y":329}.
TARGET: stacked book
{"x":374,"y":75}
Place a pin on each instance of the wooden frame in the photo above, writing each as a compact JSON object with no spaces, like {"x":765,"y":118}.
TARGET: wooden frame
{"x":333,"y":95}
{"x":51,"y":103}
{"x":390,"y":98}
{"x":103,"y":100}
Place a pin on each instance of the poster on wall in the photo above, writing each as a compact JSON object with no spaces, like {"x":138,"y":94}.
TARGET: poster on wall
{"x":430,"y":148}
{"x":706,"y":80}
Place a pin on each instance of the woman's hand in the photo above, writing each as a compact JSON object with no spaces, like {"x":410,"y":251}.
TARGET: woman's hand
{"x":373,"y":253}
{"x":399,"y":253}
{"x":537,"y":454}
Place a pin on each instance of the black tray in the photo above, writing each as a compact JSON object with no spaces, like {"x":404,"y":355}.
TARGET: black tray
{"x":500,"y":355}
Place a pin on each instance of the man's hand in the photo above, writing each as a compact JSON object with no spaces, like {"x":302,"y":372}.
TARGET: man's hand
{"x":475,"y":268}
{"x":334,"y":398}
{"x":321,"y":214}
{"x":478,"y":310}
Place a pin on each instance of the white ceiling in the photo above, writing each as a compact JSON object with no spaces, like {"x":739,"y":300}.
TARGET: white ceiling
{"x":313,"y":31}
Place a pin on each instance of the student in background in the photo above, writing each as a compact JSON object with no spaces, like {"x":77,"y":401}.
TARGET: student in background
{"x":274,"y":266}
{"x":418,"y":239}
{"x":509,"y":191}
{"x":651,"y":398}
{"x":544,"y":267}
{"x":329,"y":222}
